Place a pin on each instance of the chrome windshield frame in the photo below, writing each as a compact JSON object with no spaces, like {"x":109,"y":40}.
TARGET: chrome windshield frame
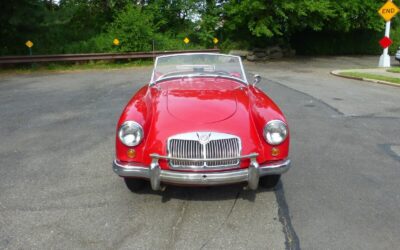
{"x":244,"y":80}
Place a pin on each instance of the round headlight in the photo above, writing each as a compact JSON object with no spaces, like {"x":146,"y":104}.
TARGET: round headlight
{"x":275,"y":132}
{"x":130,"y":133}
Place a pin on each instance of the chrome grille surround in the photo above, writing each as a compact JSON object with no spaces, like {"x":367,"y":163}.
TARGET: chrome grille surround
{"x":204,"y":145}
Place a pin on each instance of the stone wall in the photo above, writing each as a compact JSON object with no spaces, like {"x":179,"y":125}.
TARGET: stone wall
{"x":269,"y":53}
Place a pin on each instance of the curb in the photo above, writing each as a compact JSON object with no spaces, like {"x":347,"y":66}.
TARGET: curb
{"x":337,"y":73}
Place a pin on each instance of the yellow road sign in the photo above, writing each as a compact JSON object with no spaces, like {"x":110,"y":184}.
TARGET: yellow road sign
{"x":29,"y":44}
{"x":215,"y":40}
{"x":388,"y":11}
{"x":116,"y":41}
{"x":186,"y":40}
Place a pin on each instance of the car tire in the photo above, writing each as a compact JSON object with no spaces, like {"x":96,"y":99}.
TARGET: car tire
{"x":269,"y":181}
{"x":134,"y":184}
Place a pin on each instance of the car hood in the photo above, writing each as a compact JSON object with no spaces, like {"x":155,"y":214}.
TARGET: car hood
{"x":201,"y":106}
{"x":198,"y":102}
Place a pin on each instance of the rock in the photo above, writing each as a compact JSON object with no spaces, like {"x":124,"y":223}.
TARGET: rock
{"x":276,"y":55}
{"x":265,"y":58}
{"x":289,"y":53}
{"x":274,"y":49}
{"x":275,"y":52}
{"x":251,"y":57}
{"x":241,"y":53}
{"x":272,"y":52}
{"x":260,"y":54}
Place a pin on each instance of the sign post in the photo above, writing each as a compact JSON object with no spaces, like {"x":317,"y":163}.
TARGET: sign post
{"x":29,"y":44}
{"x":215,"y":41}
{"x":186,"y":41}
{"x":388,"y":11}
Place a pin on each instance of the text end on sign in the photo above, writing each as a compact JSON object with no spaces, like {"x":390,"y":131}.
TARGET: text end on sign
{"x":388,"y":11}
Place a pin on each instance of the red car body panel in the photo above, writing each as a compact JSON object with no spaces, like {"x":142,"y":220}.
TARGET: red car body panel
{"x":201,"y":104}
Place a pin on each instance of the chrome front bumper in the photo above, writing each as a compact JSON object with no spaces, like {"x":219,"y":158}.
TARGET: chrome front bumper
{"x":156,"y":175}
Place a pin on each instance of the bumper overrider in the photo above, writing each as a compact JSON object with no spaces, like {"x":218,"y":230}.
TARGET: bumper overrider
{"x":156,"y":175}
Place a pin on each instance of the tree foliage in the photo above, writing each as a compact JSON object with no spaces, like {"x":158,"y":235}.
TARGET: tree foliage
{"x":275,"y":18}
{"x":73,"y":26}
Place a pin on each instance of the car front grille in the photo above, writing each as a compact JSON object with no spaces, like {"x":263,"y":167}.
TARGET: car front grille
{"x":191,"y":146}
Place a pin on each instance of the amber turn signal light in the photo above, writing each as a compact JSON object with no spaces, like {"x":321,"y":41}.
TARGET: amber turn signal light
{"x":131,"y":153}
{"x":275,"y":151}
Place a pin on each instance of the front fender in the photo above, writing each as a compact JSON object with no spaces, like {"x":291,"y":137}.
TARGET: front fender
{"x":263,"y":110}
{"x":139,"y":110}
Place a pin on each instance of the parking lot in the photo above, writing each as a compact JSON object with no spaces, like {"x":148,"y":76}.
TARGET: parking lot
{"x":58,"y":191}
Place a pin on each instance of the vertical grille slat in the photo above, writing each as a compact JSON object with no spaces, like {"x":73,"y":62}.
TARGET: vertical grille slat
{"x":188,"y":146}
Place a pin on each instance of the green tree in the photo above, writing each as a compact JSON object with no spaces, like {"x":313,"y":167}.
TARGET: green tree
{"x":19,"y":21}
{"x":274,"y":19}
{"x":210,"y":22}
{"x":134,"y":29}
{"x":77,"y":26}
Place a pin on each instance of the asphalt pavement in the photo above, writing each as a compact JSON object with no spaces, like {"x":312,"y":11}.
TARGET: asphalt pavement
{"x":343,"y":191}
{"x":57,"y":189}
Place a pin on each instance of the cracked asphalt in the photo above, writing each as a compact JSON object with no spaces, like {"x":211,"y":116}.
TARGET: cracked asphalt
{"x":57,"y":189}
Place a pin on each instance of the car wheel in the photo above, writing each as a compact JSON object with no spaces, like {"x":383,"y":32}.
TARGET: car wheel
{"x":134,"y":184}
{"x":269,"y":181}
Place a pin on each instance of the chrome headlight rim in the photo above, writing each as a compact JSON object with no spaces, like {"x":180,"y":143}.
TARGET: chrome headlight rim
{"x":131,"y":125}
{"x":268,"y":130}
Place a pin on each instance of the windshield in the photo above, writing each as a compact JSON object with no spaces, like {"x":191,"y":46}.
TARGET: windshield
{"x":200,"y":64}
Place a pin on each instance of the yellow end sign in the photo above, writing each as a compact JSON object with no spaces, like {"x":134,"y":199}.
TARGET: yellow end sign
{"x":388,"y":11}
{"x":186,"y":40}
{"x":215,"y":40}
{"x":116,"y":42}
{"x":29,"y":44}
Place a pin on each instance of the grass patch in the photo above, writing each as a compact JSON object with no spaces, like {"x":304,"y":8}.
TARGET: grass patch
{"x":62,"y":66}
{"x":394,"y":70}
{"x":372,"y":76}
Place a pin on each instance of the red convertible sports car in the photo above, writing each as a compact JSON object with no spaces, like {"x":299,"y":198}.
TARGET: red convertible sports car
{"x":200,"y":123}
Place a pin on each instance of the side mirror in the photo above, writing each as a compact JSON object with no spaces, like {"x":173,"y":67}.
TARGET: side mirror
{"x":257,"y":79}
